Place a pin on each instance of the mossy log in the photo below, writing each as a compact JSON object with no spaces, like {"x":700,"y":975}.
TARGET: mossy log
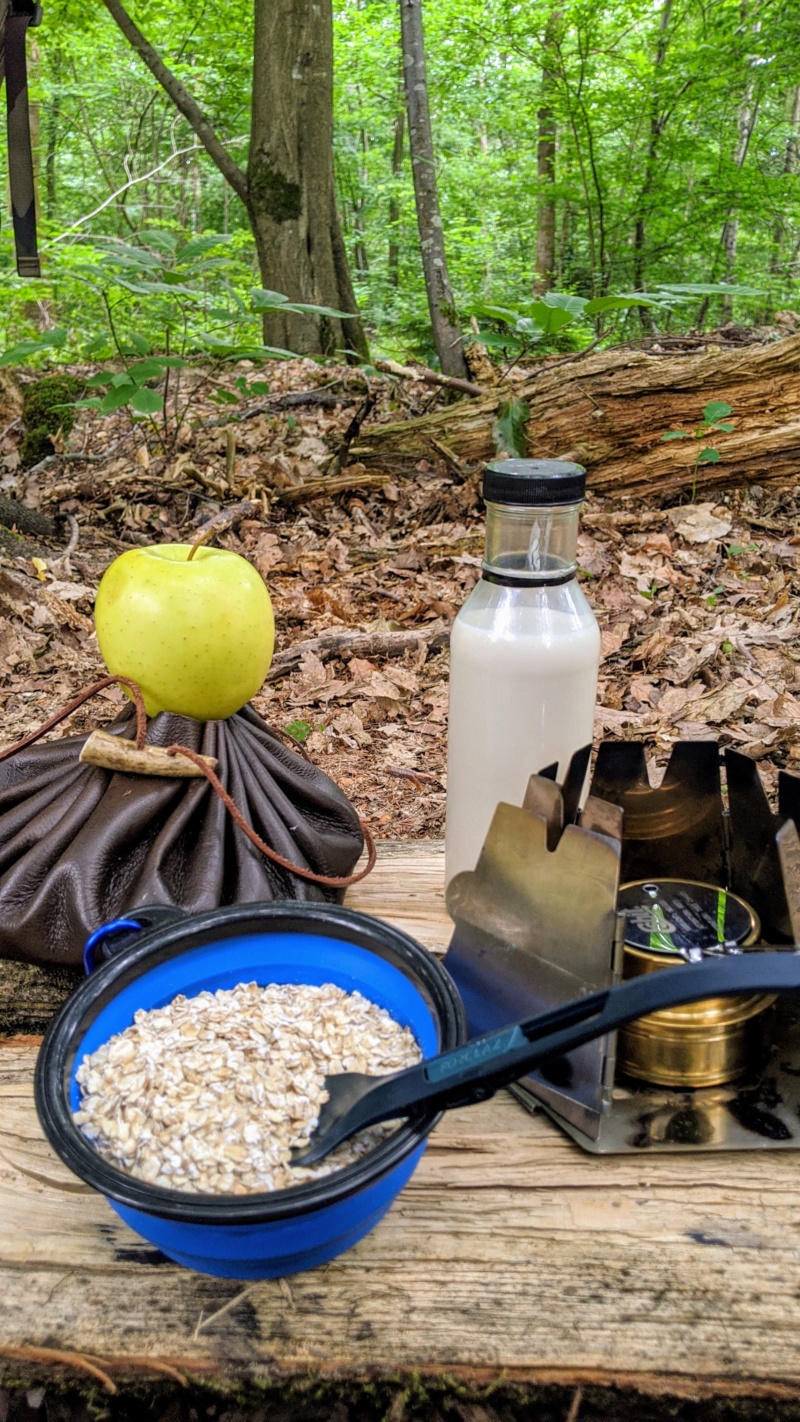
{"x":28,"y":522}
{"x":610,"y":409}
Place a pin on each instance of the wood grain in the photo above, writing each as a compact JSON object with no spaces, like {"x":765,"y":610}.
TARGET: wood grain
{"x":609,"y":410}
{"x":510,"y":1254}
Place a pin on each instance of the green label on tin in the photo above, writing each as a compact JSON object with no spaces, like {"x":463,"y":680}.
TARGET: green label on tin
{"x":672,"y":916}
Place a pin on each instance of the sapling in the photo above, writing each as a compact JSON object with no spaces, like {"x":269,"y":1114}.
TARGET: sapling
{"x":714,"y":420}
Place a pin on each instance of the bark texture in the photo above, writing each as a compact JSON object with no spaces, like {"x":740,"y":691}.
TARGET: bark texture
{"x":546,"y":167}
{"x":290,"y":191}
{"x":609,"y":409}
{"x":446,"y":330}
{"x":658,"y":121}
{"x":5,"y":6}
{"x":398,"y":136}
{"x":791,"y":162}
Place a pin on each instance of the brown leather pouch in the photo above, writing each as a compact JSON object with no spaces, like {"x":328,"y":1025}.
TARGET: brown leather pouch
{"x":80,"y":845}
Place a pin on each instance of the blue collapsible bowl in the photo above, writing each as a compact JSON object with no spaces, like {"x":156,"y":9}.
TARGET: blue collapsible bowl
{"x":255,"y":1236}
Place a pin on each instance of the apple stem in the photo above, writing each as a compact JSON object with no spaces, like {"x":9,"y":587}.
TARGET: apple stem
{"x":198,"y":542}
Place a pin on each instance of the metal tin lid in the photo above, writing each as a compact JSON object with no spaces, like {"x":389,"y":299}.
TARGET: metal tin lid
{"x":676,"y":918}
{"x":534,"y":482}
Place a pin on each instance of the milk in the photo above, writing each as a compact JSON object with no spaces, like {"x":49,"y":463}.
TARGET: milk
{"x":524,"y":656}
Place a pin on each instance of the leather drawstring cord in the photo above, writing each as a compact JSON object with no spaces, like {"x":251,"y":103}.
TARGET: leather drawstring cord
{"x":255,"y":839}
{"x":329,"y":881}
{"x":141,"y":714}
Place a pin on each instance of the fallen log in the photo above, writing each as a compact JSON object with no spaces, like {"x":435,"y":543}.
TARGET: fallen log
{"x":609,"y":411}
{"x":338,"y":642}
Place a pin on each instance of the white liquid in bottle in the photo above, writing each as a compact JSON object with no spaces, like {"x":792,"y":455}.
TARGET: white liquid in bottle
{"x":523,"y":668}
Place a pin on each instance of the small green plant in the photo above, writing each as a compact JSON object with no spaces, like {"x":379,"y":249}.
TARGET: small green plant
{"x":184,"y":290}
{"x":299,"y":730}
{"x":542,"y":320}
{"x":714,"y":421}
{"x":515,"y":330}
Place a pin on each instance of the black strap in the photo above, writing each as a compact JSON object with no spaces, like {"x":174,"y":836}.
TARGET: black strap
{"x":23,"y":13}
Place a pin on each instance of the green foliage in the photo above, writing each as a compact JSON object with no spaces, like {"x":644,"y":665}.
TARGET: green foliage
{"x":543,"y":320}
{"x":508,"y":431}
{"x":298,"y":730}
{"x":647,"y":101}
{"x":714,"y":421}
{"x":171,"y":290}
{"x":47,"y":408}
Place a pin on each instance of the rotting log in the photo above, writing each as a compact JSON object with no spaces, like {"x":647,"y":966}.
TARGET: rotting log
{"x":609,"y":411}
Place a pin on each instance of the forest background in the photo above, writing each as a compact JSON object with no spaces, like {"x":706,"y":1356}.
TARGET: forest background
{"x":589,"y":148}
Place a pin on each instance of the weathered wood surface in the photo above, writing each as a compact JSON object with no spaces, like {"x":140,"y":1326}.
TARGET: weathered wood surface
{"x":610,"y":408}
{"x":510,"y":1254}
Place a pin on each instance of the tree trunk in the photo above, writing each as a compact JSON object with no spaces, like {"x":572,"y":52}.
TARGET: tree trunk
{"x":657,"y":124}
{"x":446,"y":330}
{"x":546,"y":167}
{"x":393,"y":258}
{"x":609,"y":409}
{"x":791,"y":162}
{"x":5,"y":6}
{"x":53,"y":114}
{"x":745,"y":123}
{"x":290,"y":190}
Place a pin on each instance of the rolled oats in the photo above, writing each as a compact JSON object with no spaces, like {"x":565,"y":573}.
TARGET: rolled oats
{"x":210,"y":1094}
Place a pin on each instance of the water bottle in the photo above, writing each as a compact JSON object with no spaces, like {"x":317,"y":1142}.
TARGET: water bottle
{"x":524,"y":651}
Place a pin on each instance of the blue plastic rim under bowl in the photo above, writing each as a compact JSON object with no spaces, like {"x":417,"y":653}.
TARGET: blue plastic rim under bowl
{"x":265,"y":1235}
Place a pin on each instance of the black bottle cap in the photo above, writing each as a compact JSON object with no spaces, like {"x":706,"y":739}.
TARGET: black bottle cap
{"x":531,"y":482}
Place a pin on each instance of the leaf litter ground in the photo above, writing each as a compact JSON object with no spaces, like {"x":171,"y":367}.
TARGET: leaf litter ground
{"x":698,"y":602}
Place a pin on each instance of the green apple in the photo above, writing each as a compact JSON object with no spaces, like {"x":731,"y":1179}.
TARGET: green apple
{"x":197,"y":635}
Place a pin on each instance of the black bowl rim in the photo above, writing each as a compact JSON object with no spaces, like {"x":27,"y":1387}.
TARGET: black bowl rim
{"x":57,"y":1053}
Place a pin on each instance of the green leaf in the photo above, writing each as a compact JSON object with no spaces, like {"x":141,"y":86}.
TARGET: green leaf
{"x":618,"y":303}
{"x":716,"y":410}
{"x":142,"y":370}
{"x":224,"y":397}
{"x":708,"y":456}
{"x":259,"y":387}
{"x":92,"y":404}
{"x":146,"y":402}
{"x":99,"y":347}
{"x":495,"y":341}
{"x":563,"y":301}
{"x":123,"y":254}
{"x":156,"y":288}
{"x":166,"y":241}
{"x":301,"y":730}
{"x":199,"y":245}
{"x":116,"y":398}
{"x":134,"y":344}
{"x":265,"y":300}
{"x":21,"y":351}
{"x":508,"y":430}
{"x":304,"y":309}
{"x":676,"y":434}
{"x":497,"y":313}
{"x":550,"y":318}
{"x":121,"y":378}
{"x":727,"y":427}
{"x":101,"y":378}
{"x":701,"y":288}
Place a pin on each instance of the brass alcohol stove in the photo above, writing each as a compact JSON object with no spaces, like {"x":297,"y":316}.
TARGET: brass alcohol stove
{"x":707,"y":1043}
{"x":542,"y":920}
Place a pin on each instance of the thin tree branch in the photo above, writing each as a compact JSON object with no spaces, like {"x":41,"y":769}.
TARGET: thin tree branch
{"x":193,"y":148}
{"x":182,"y":100}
